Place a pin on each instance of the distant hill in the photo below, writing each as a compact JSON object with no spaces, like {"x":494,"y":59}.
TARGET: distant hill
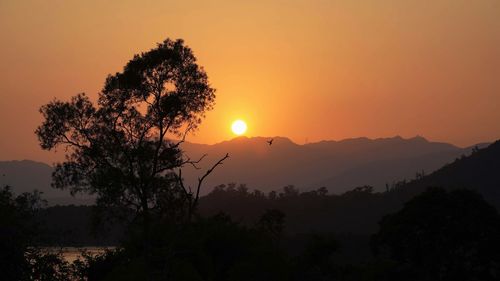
{"x":479,"y":171}
{"x":337,"y":165}
{"x":26,"y":176}
{"x":356,"y":211}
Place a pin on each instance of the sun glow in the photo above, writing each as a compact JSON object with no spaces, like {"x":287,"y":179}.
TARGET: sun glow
{"x":239,"y":127}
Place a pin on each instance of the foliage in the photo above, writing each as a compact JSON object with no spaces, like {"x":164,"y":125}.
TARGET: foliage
{"x":122,"y":148}
{"x":273,"y":223}
{"x":17,"y":231}
{"x":208,"y":249}
{"x":48,"y":266}
{"x":447,"y":235}
{"x":20,"y":233}
{"x":313,"y":210}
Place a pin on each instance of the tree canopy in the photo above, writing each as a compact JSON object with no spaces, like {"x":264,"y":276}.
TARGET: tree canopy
{"x":126,"y":147}
{"x":445,"y":235}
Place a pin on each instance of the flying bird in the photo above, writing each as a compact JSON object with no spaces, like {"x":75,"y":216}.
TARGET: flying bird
{"x":270,"y":142}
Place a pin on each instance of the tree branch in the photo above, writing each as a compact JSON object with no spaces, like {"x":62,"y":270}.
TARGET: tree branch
{"x":200,"y":182}
{"x":193,"y":163}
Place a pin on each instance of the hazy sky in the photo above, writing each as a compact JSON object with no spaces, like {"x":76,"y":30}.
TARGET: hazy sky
{"x":303,"y":69}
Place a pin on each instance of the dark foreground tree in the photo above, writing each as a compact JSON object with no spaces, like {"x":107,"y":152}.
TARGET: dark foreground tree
{"x":126,"y":148}
{"x":20,"y":232}
{"x":122,"y":149}
{"x":443,"y":236}
{"x":215,"y":248}
{"x":16,"y":233}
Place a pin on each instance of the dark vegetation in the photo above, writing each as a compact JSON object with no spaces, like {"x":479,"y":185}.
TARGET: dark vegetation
{"x":443,"y":236}
{"x":355,"y":212}
{"x":439,"y":234}
{"x":121,"y":150}
{"x":20,"y":258}
{"x":359,"y":210}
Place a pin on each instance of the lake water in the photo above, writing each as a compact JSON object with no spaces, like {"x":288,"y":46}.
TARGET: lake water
{"x":70,"y":254}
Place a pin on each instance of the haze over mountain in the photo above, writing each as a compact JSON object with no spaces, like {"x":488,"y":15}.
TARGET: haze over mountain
{"x":337,"y":165}
{"x":26,"y":176}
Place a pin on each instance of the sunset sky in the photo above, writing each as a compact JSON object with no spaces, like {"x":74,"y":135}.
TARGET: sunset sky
{"x":307,"y":70}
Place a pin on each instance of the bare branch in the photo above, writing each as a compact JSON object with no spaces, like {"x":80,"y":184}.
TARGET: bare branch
{"x":72,"y":143}
{"x":209,"y":171}
{"x":189,"y":128}
{"x":200,"y":182}
{"x":193,"y":163}
{"x":181,"y":183}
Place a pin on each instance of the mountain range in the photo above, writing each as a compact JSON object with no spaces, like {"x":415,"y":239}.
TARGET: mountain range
{"x":27,"y":175}
{"x":355,"y":212}
{"x":337,"y":165}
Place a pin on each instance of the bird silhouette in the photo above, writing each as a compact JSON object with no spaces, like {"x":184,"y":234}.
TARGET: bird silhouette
{"x":270,"y":142}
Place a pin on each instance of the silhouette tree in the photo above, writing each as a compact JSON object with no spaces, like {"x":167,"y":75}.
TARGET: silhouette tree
{"x":14,"y":235}
{"x":289,"y":191}
{"x":20,"y":233}
{"x":446,"y":235}
{"x":273,"y":223}
{"x":122,"y":149}
{"x":322,"y":191}
{"x":315,"y":261}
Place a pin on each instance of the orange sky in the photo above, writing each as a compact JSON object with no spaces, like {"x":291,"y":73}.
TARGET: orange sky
{"x":303,"y":69}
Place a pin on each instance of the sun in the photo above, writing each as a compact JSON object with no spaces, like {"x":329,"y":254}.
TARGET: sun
{"x":239,"y":127}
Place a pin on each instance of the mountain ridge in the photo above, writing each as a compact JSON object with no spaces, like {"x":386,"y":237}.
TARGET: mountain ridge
{"x":338,"y":165}
{"x":268,"y":166}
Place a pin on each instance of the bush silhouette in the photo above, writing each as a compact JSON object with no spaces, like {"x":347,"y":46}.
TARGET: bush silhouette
{"x":446,"y":235}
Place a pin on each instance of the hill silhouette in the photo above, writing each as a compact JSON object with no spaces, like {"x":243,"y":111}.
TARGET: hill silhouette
{"x":27,"y":175}
{"x":355,"y":212}
{"x":479,"y":171}
{"x":337,"y":165}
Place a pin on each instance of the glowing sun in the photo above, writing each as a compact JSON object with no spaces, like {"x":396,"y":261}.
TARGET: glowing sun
{"x":239,"y":127}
